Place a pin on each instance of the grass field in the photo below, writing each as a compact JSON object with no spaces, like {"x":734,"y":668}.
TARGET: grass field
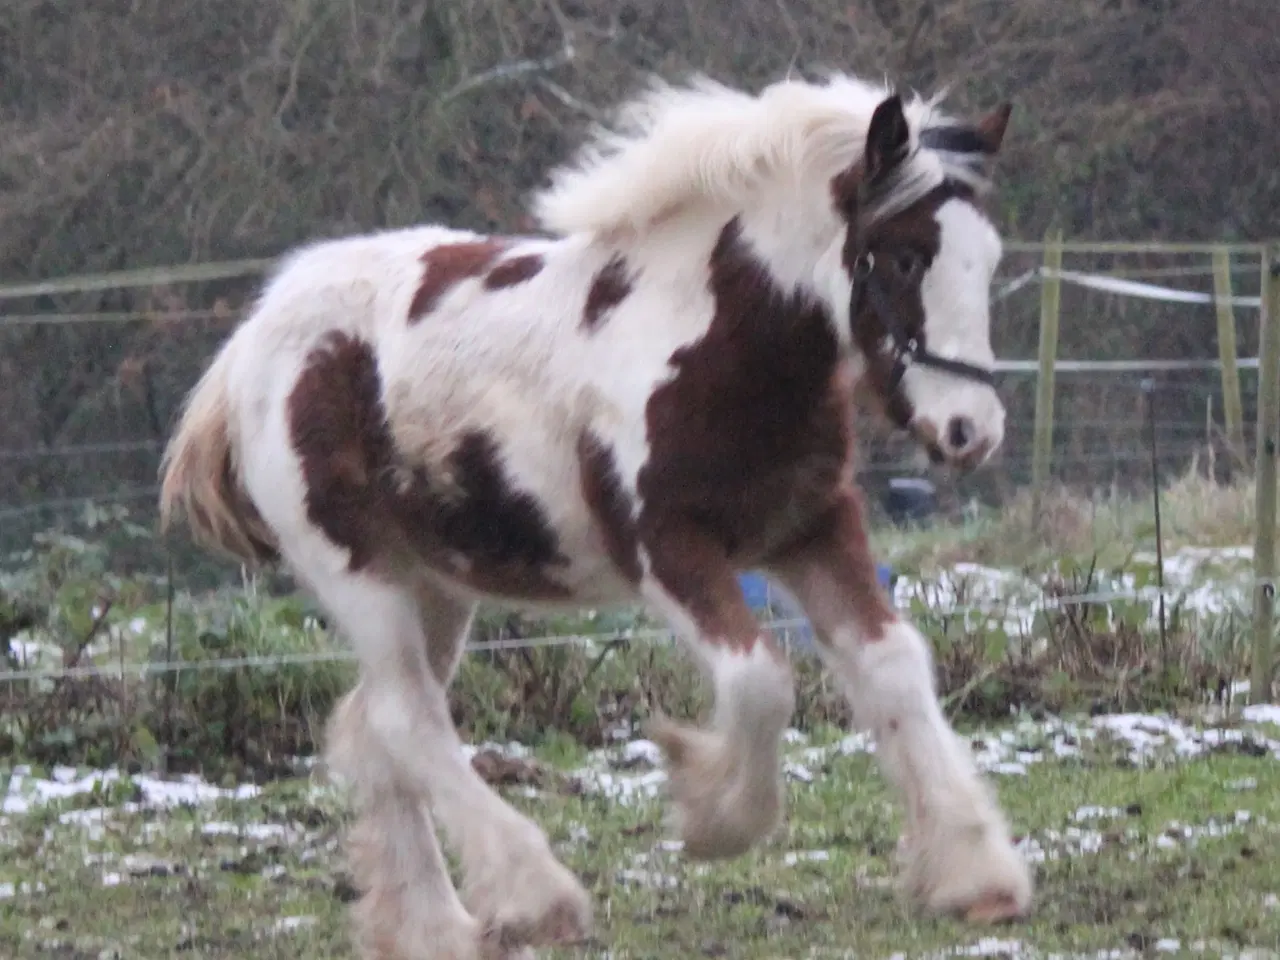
{"x":1148,"y":834}
{"x":1148,"y":806}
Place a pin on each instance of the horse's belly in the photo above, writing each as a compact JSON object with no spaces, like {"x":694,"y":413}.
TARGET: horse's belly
{"x":490,"y":491}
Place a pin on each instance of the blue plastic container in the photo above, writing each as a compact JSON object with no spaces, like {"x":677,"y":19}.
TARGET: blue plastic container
{"x":755,"y":588}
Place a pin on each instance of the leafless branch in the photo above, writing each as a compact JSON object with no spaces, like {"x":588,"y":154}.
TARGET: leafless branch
{"x":570,"y":101}
{"x":509,"y":71}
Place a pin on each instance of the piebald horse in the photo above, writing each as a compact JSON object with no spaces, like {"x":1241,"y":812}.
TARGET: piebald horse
{"x":652,"y":396}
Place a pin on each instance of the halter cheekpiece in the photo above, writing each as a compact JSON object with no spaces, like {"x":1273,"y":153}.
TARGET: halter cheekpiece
{"x":907,"y":349}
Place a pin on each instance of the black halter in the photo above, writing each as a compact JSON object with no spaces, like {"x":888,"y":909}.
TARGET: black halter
{"x":907,"y":349}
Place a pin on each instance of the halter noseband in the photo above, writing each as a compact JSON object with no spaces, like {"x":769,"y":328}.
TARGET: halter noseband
{"x":907,"y":349}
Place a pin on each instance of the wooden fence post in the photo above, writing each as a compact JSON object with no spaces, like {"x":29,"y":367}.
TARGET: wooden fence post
{"x":1264,"y":549}
{"x":1232,"y":409}
{"x":1050,"y":300}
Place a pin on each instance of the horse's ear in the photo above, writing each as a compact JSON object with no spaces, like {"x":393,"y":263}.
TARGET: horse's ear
{"x":990,"y":129}
{"x":888,"y":139}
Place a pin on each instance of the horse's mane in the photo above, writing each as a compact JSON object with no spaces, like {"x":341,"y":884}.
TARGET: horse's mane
{"x":670,"y":145}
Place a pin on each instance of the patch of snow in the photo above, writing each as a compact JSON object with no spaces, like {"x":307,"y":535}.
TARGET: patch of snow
{"x":289,"y":924}
{"x":1146,"y":734}
{"x":1097,"y":813}
{"x":792,"y":857}
{"x":796,"y":771}
{"x":26,"y":792}
{"x":1262,"y":713}
{"x":9,"y":890}
{"x":647,"y":878}
{"x":254,"y":831}
{"x":511,"y":750}
{"x":1010,"y":751}
{"x":31,"y":652}
{"x":642,"y":751}
{"x":92,"y":819}
{"x":1177,"y":834}
{"x":1004,"y":599}
{"x":624,"y":788}
{"x":1145,"y":737}
{"x":1060,"y":844}
{"x":145,"y":865}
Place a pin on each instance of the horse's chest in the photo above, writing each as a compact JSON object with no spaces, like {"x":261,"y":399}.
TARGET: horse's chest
{"x":752,"y":483}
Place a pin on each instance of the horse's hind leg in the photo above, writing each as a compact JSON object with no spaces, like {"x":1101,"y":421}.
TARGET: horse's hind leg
{"x":520,"y":894}
{"x":408,"y":906}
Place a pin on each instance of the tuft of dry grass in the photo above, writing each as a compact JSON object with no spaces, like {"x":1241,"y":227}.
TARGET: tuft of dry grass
{"x":250,"y":720}
{"x":1203,"y":513}
{"x":1031,"y":530}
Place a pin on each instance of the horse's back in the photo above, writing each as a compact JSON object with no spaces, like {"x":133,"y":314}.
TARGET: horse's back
{"x":356,"y":284}
{"x":445,"y":424}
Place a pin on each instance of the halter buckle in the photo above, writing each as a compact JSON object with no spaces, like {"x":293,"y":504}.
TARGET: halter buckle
{"x":863,"y":266}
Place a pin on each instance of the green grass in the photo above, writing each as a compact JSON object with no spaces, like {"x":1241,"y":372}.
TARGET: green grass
{"x":73,"y":596}
{"x":232,"y":894}
{"x":222,"y":896}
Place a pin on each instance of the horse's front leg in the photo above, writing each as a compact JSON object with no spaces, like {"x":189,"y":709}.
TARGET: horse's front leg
{"x":958,"y":853}
{"x":724,"y":780}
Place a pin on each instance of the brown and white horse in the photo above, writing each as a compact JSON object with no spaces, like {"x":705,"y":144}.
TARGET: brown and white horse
{"x":653,"y":397}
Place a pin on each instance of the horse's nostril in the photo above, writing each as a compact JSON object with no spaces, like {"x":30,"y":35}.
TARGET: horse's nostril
{"x":960,"y":433}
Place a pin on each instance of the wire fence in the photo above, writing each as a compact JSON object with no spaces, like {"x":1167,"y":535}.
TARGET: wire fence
{"x":111,"y":357}
{"x":793,"y":632}
{"x":95,"y":436}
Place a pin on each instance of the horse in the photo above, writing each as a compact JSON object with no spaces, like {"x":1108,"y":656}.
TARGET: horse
{"x":654,"y":391}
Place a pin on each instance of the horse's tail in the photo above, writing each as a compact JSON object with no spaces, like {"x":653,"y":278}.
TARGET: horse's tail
{"x":201,"y":476}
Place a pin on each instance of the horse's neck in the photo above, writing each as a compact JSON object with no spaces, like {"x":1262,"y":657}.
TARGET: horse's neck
{"x":796,"y":242}
{"x":686,"y":271}
{"x":798,"y":246}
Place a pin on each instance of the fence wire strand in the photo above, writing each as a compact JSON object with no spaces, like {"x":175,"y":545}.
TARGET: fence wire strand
{"x":1117,"y":282}
{"x":145,"y":669}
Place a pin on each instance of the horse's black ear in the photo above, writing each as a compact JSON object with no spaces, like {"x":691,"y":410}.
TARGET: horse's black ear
{"x":990,"y":129}
{"x":983,"y":139}
{"x":888,"y":138}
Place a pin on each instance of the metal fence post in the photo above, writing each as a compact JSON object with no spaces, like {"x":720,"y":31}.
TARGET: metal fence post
{"x":1232,"y":409}
{"x":1264,"y":550}
{"x":1050,"y":300}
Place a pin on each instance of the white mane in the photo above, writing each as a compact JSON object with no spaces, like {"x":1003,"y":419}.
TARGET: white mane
{"x":671,"y":145}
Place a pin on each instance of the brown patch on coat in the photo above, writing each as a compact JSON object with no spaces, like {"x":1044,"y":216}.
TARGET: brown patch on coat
{"x":503,"y":532}
{"x":609,"y":504}
{"x":461,"y":516}
{"x":517,"y":270}
{"x":832,"y":572}
{"x":694,"y":568}
{"x":612,"y":285}
{"x":338,"y":429}
{"x":750,"y":440}
{"x":448,"y":265}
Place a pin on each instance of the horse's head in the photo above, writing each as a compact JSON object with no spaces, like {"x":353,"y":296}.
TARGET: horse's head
{"x":919,"y":254}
